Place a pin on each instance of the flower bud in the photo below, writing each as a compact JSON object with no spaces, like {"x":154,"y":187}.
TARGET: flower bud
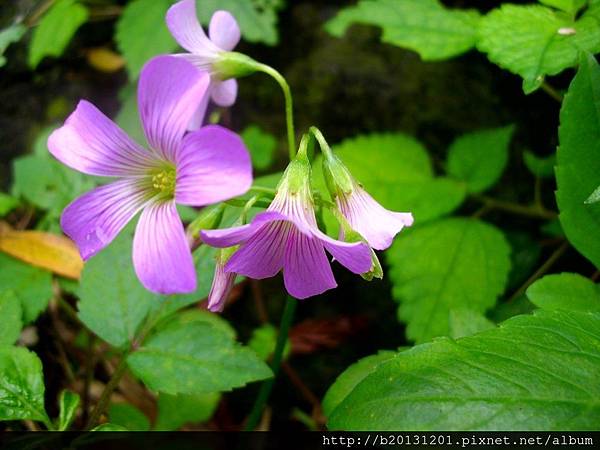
{"x":233,"y":65}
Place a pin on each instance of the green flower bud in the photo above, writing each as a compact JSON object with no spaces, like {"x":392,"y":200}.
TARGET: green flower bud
{"x":234,"y":65}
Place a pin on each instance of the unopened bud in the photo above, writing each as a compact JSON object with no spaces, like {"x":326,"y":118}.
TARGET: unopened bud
{"x":234,"y":65}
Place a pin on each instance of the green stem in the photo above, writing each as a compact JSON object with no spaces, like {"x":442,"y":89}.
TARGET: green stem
{"x":514,"y":208}
{"x":267,"y":386}
{"x":242,"y":203}
{"x":263,"y":189}
{"x":325,"y":148}
{"x":552,"y":92}
{"x":107,"y":392}
{"x":289,"y":107}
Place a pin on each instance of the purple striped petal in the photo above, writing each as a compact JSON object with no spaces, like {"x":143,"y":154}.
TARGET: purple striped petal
{"x":354,"y":256}
{"x":213,"y":165}
{"x":94,"y":219}
{"x":306,"y":271}
{"x":224,"y":93}
{"x":221,"y":288}
{"x":182,"y":21}
{"x":161,"y":254}
{"x":229,"y":237}
{"x":92,"y":143}
{"x":197,"y":119}
{"x":169,"y":92}
{"x":224,"y":30}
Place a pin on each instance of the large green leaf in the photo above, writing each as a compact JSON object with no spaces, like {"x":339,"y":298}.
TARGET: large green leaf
{"x":479,"y":158}
{"x":21,"y":385}
{"x":55,"y":30}
{"x":397,"y":172}
{"x":12,"y":317}
{"x":142,"y":33}
{"x":578,"y":164}
{"x":568,"y":291}
{"x":570,"y":6}
{"x":446,"y":265}
{"x":32,"y":286}
{"x":175,"y":411}
{"x":195,"y":358}
{"x":424,"y":26}
{"x":533,"y":41}
{"x":537,"y":372}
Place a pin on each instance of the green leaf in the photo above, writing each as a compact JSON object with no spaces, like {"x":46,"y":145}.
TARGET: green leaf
{"x":11,"y":313}
{"x":7,"y":204}
{"x":195,"y":358}
{"x":56,"y":29}
{"x":32,"y":286}
{"x":142,"y":33}
{"x":261,"y":146}
{"x":568,"y":291}
{"x":109,"y":427}
{"x":264,"y":340}
{"x":424,"y":26}
{"x":113,"y":303}
{"x":128,"y":416}
{"x":539,"y":166}
{"x":533,"y":41}
{"x":578,"y":165}
{"x":446,"y":265}
{"x":479,"y":158}
{"x":465,"y":322}
{"x":569,"y":6}
{"x":347,"y":381}
{"x":174,"y":411}
{"x":395,"y":169}
{"x":68,"y":403}
{"x":8,"y":36}
{"x":21,"y":385}
{"x":536,"y":372}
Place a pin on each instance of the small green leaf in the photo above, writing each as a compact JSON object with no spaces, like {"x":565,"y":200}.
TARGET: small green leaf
{"x":68,"y":403}
{"x":535,"y":372}
{"x":21,"y":385}
{"x":479,"y":158}
{"x":533,"y":41}
{"x":264,"y":340}
{"x":7,"y":204}
{"x":261,"y":146}
{"x":446,"y":265}
{"x":569,"y":6}
{"x":12,"y":317}
{"x":109,"y":427}
{"x":8,"y":36}
{"x":568,"y":291}
{"x":425,"y":26}
{"x":347,"y":381}
{"x":465,"y":322}
{"x":174,"y":411}
{"x":578,"y":165}
{"x":56,"y":29}
{"x":540,"y":167}
{"x":195,"y":358}
{"x":128,"y":416}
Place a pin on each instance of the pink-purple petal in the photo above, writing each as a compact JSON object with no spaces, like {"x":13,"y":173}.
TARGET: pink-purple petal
{"x":169,"y":92}
{"x":197,"y":119}
{"x":93,"y":220}
{"x":161,"y":254}
{"x":220,"y":288}
{"x":182,"y":21}
{"x":212,"y":165}
{"x":92,"y":143}
{"x":224,"y":93}
{"x":224,"y":30}
{"x":354,"y":256}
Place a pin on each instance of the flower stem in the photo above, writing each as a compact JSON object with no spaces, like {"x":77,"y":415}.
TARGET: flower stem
{"x":289,"y":107}
{"x":325,"y":148}
{"x":536,"y":211}
{"x":267,"y":386}
{"x":262,"y":189}
{"x":107,"y":392}
{"x":552,"y":92}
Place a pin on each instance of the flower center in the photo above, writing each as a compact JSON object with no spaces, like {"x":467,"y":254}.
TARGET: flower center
{"x":164,"y":181}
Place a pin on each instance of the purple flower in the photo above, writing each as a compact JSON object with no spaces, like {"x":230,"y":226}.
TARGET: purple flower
{"x":203,"y":167}
{"x":286,"y":237}
{"x":223,"y":36}
{"x":221,"y":285}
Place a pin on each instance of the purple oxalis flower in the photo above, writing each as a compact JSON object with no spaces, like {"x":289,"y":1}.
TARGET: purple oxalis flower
{"x":203,"y":167}
{"x":286,"y":236}
{"x":223,"y":36}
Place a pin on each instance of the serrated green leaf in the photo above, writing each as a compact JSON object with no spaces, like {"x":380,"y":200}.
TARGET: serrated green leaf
{"x":7,"y":204}
{"x":32,"y":286}
{"x":12,"y":317}
{"x":568,"y":291}
{"x":261,"y":146}
{"x":395,"y":169}
{"x":479,"y":158}
{"x":142,"y":33}
{"x":539,"y":166}
{"x":68,"y":404}
{"x":264,"y":340}
{"x":354,"y":374}
{"x":8,"y":36}
{"x":195,"y":358}
{"x":465,"y":322}
{"x":578,"y":165}
{"x":533,"y":41}
{"x":113,"y":303}
{"x":569,"y":6}
{"x":536,"y":372}
{"x":128,"y":416}
{"x":198,"y":315}
{"x":425,"y":26}
{"x":21,"y":385}
{"x":174,"y":411}
{"x":55,"y":30}
{"x":446,"y":265}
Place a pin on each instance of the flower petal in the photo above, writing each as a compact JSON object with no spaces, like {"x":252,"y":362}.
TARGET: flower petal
{"x":94,"y":219}
{"x":169,"y":92}
{"x":92,"y":143}
{"x":182,"y":21}
{"x":354,"y":256}
{"x":224,"y":93}
{"x":213,"y":165}
{"x":306,"y":270}
{"x":161,"y":254}
{"x":229,"y":237}
{"x":221,"y":288}
{"x":224,"y":30}
{"x":197,"y":119}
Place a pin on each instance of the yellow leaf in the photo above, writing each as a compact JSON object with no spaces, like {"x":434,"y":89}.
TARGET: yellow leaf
{"x":105,"y":60}
{"x":48,"y":251}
